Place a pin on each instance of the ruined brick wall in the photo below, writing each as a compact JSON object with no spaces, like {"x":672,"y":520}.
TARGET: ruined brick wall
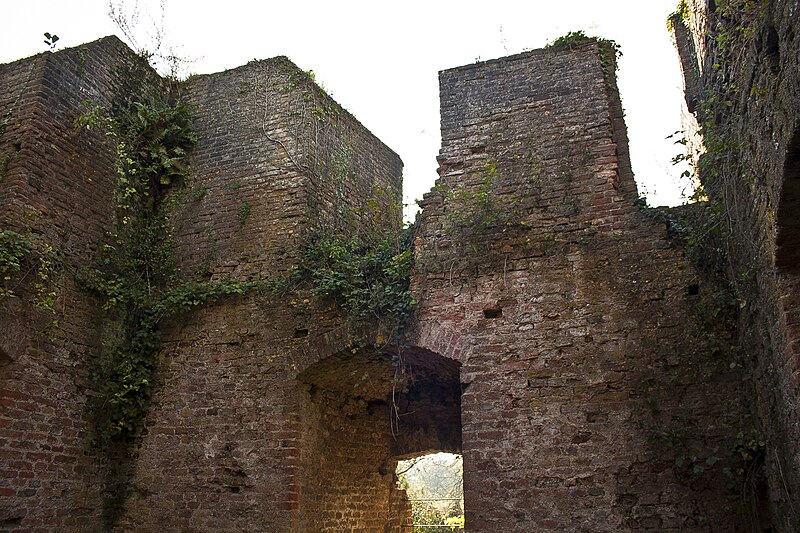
{"x":228,"y":443}
{"x":56,"y":189}
{"x":562,"y":342}
{"x":595,"y":375}
{"x":748,"y":94}
{"x":234,"y":441}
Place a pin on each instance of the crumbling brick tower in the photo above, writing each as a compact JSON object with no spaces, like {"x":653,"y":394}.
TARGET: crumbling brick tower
{"x":562,"y":342}
{"x":596,"y":366}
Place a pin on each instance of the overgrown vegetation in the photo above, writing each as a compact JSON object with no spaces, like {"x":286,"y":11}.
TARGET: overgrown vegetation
{"x":137,"y":278}
{"x":368,"y":280}
{"x":715,"y":234}
{"x":476,"y":208}
{"x":610,"y":51}
{"x":28,"y":259}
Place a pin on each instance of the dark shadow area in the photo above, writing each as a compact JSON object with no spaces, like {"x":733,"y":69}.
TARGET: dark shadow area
{"x":787,"y":225}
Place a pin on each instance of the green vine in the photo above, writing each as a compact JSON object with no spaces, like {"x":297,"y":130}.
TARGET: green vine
{"x":137,"y":279}
{"x":609,"y":50}
{"x":28,"y":259}
{"x":4,"y":161}
{"x":369,"y":281}
{"x":474,"y":207}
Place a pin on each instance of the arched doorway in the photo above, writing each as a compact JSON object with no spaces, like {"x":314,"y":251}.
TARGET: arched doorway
{"x":363,"y":410}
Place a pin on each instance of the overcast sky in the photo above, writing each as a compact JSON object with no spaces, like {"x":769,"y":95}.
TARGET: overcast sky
{"x":380,"y":59}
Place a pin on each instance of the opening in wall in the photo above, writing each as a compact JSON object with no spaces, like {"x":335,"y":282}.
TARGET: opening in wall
{"x":362,"y":410}
{"x":787,"y":240}
{"x":787,"y":243}
{"x":435,"y":488}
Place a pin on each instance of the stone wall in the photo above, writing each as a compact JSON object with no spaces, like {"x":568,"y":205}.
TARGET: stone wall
{"x":596,"y":372}
{"x":748,"y":99}
{"x":56,"y":189}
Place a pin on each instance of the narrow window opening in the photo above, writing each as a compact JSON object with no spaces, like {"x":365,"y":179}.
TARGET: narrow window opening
{"x":772,"y":50}
{"x":787,"y":254}
{"x":493,"y":313}
{"x":435,"y":488}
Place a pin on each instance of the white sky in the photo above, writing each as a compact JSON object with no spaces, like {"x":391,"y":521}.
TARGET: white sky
{"x":380,"y":59}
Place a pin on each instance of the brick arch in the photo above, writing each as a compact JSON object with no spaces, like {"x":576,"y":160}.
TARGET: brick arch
{"x":319,"y":347}
{"x":357,"y":419}
{"x":440,"y":338}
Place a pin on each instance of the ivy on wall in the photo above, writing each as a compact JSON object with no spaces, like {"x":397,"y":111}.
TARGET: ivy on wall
{"x":137,"y":278}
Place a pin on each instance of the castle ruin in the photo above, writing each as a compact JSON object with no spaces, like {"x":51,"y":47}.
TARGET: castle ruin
{"x":586,"y":355}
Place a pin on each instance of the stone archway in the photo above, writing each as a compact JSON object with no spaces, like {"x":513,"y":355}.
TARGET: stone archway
{"x":362,"y":410}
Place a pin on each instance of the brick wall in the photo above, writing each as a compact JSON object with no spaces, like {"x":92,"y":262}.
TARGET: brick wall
{"x":234,"y":441}
{"x":563,"y":342}
{"x":749,"y":98}
{"x":57,"y":188}
{"x":589,"y":364}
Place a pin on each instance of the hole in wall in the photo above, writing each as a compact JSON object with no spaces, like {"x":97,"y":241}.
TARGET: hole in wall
{"x":787,"y":224}
{"x":300,"y":333}
{"x":363,"y":411}
{"x":693,"y":289}
{"x":772,"y":56}
{"x":434,"y":486}
{"x":4,"y":358}
{"x":493,"y":313}
{"x":787,"y":244}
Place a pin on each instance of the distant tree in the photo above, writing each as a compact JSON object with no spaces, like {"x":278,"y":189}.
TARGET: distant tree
{"x":435,"y":487}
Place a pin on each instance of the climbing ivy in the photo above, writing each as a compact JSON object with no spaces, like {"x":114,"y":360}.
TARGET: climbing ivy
{"x":137,"y":278}
{"x":28,"y":259}
{"x":475,"y":209}
{"x":610,"y":51}
{"x":368,"y":280}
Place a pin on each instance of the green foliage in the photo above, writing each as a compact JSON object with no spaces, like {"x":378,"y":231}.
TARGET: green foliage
{"x":13,"y":249}
{"x":687,"y":464}
{"x":123,"y":377}
{"x":751,"y":447}
{"x":199,"y":192}
{"x":681,"y":14}
{"x":368,"y":280}
{"x":570,"y":39}
{"x":50,"y":39}
{"x":243,"y":212}
{"x":27,"y":258}
{"x":4,"y":161}
{"x":475,"y":209}
{"x":137,"y":278}
{"x":609,"y":50}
